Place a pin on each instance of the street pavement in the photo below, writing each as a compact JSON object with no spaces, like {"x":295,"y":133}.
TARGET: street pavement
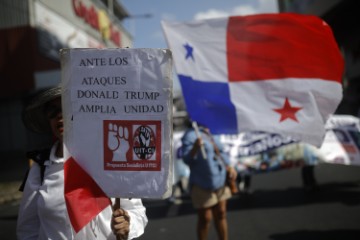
{"x":276,"y":209}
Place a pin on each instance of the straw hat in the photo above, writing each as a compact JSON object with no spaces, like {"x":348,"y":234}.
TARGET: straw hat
{"x":34,"y":116}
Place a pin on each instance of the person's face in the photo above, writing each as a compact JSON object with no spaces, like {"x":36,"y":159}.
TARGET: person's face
{"x":53,"y":113}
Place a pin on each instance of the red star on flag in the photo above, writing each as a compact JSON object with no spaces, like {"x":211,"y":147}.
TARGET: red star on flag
{"x":287,"y":111}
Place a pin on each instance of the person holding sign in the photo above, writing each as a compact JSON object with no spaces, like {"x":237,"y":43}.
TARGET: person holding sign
{"x":43,"y":213}
{"x":208,"y":168}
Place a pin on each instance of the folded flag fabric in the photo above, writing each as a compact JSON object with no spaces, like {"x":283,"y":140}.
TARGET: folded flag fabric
{"x":85,"y":201}
{"x":278,"y":73}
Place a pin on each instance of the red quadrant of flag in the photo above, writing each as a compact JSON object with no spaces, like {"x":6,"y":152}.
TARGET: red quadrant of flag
{"x":84,"y":198}
{"x":266,"y":46}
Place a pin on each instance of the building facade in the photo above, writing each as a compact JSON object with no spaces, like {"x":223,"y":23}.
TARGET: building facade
{"x":31,"y":34}
{"x":342,"y":16}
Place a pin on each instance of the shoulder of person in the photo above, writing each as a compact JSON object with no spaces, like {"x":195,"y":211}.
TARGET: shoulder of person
{"x":188,"y":132}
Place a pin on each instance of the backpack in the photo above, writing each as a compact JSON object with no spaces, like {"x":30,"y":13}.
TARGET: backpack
{"x":38,"y":156}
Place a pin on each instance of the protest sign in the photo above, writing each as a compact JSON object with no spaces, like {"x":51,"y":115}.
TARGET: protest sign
{"x":117,"y":110}
{"x":256,"y":142}
{"x":255,"y":149}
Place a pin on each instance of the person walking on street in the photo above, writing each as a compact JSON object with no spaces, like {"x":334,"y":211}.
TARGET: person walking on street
{"x":209,"y":167}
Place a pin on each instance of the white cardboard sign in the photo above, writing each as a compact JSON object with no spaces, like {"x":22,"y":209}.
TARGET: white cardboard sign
{"x":117,"y":110}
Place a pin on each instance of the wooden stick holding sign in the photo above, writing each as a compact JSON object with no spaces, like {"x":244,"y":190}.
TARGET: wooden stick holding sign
{"x":197,"y":132}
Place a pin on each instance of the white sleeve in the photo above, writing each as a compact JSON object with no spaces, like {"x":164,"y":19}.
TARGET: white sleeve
{"x":28,"y":223}
{"x":137,"y":213}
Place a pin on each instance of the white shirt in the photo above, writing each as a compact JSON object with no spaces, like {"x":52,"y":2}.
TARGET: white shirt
{"x":43,"y":214}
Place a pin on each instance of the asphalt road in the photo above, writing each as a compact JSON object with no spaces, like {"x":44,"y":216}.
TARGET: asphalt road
{"x":277,"y":209}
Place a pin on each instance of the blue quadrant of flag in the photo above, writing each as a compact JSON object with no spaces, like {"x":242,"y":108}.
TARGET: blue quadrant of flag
{"x":209,"y":104}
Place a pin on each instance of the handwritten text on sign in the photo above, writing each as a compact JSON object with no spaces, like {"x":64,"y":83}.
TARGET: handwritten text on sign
{"x":105,"y":87}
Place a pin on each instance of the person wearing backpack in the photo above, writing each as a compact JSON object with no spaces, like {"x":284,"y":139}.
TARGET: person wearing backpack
{"x":42,"y":211}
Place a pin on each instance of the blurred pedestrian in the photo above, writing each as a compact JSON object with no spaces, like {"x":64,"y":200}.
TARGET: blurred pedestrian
{"x":42,"y":212}
{"x":244,"y":181}
{"x":181,"y":170}
{"x":209,"y":166}
{"x":308,"y":170}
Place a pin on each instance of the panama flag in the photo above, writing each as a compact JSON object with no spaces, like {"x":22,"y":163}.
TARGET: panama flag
{"x":278,"y":73}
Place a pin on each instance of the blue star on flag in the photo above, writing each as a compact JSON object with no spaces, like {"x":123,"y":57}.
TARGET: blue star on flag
{"x":189,"y":51}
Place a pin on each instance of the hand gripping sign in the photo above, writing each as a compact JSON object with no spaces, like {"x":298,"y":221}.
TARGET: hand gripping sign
{"x":117,"y":110}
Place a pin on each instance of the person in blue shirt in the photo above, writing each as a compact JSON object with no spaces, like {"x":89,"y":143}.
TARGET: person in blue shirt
{"x":208,"y":170}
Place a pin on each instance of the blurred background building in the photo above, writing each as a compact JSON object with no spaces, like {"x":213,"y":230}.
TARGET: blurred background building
{"x":31,"y":34}
{"x":342,"y":16}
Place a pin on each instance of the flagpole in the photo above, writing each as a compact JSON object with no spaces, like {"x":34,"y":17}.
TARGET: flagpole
{"x":197,"y":132}
{"x":117,"y":203}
